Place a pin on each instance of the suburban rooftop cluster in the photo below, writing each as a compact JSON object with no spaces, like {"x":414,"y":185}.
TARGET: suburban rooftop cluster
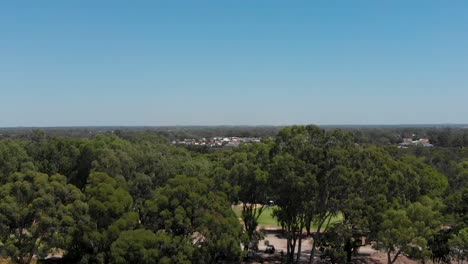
{"x":424,"y":142}
{"x":217,"y":142}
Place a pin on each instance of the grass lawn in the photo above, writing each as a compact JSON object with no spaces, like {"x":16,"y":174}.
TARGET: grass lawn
{"x":267,"y":219}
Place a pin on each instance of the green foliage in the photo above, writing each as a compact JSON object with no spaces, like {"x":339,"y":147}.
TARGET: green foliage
{"x":110,"y":209}
{"x":13,"y":158}
{"x":37,"y":213}
{"x":106,"y":199}
{"x":457,"y":198}
{"x":145,"y":247}
{"x":144,"y":200}
{"x":186,"y":207}
{"x":341,"y":242}
{"x":459,"y":245}
{"x":438,"y":245}
{"x":54,"y":155}
{"x":309,"y":172}
{"x":247,"y":173}
{"x":408,"y":230}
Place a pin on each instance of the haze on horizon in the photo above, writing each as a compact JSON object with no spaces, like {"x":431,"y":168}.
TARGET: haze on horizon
{"x":158,"y":63}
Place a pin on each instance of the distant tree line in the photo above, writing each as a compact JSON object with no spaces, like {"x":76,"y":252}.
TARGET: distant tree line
{"x":440,"y":137}
{"x":169,"y":132}
{"x":456,"y":136}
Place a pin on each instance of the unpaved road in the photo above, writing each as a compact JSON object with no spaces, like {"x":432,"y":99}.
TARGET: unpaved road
{"x":368,"y":255}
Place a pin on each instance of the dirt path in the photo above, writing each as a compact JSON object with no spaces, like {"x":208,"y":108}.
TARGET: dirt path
{"x":275,"y":237}
{"x":367,"y":255}
{"x":371,"y":255}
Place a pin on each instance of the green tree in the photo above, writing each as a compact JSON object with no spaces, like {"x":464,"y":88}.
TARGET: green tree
{"x":187,"y":207}
{"x":459,"y":245}
{"x":408,"y":230}
{"x":145,"y":247}
{"x":317,"y":160}
{"x":13,"y":158}
{"x":54,"y":155}
{"x":457,"y":197}
{"x":341,"y":241}
{"x":292,"y":187}
{"x":249,"y":176}
{"x":38,"y":213}
{"x":110,"y":208}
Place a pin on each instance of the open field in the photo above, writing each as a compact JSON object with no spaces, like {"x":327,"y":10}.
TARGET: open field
{"x":268,"y":220}
{"x":265,"y":220}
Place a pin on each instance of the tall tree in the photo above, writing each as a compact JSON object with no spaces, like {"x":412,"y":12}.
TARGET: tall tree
{"x":13,"y":158}
{"x":145,"y":247}
{"x":322,"y":158}
{"x":110,"y":208}
{"x":187,"y":207}
{"x":459,"y":245}
{"x":248,"y":174}
{"x":293,"y":187}
{"x":408,"y":230}
{"x":38,"y":213}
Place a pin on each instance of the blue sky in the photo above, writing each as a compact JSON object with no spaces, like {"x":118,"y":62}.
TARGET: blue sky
{"x":78,"y":63}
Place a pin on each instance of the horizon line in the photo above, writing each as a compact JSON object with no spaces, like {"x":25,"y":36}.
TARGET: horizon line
{"x":237,"y":125}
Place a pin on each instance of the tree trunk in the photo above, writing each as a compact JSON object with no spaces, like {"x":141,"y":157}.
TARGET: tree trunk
{"x":314,"y":243}
{"x":293,"y":247}
{"x":308,"y":225}
{"x":349,"y":250}
{"x":299,"y":247}
{"x":389,"y":258}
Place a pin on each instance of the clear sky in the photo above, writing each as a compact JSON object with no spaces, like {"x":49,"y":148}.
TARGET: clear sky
{"x":236,"y":62}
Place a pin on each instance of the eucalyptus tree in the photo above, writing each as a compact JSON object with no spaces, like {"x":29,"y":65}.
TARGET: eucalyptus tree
{"x":190,"y":211}
{"x":459,"y":245}
{"x":13,"y":158}
{"x":293,"y":187}
{"x":145,"y":247}
{"x":38,"y":213}
{"x":320,"y":160}
{"x":111,"y":212}
{"x":407,"y":230}
{"x":247,"y":173}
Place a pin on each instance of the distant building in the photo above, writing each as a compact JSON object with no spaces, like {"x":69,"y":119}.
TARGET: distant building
{"x":217,"y":142}
{"x":424,"y":142}
{"x":232,"y":144}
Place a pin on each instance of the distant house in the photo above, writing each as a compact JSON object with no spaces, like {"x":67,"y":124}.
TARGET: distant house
{"x":217,"y":142}
{"x":406,"y":142}
{"x":232,"y":144}
{"x":424,"y":142}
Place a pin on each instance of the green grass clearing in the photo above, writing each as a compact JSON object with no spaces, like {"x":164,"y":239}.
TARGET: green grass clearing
{"x":267,"y":219}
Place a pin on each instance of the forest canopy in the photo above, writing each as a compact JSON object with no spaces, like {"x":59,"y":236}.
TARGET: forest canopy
{"x":133,"y":197}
